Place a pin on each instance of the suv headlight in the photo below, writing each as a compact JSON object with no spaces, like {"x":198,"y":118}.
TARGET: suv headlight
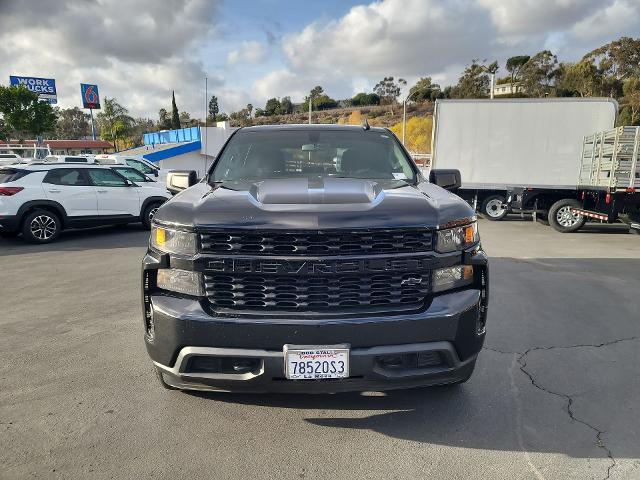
{"x":168,"y":240}
{"x":457,"y":238}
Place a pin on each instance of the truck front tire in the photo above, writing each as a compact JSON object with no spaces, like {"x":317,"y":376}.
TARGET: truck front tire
{"x":562,"y":219}
{"x":148,"y":214}
{"x":492,"y":208}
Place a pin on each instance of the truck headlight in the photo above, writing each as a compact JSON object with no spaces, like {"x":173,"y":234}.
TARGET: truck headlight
{"x":451,"y":277}
{"x":180,"y":281}
{"x":168,"y":240}
{"x":457,"y":238}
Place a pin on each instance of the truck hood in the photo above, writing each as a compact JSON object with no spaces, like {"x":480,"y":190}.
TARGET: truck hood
{"x":323,"y":203}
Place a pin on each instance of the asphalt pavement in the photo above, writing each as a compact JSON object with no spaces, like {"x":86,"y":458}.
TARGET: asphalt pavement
{"x":554,"y":396}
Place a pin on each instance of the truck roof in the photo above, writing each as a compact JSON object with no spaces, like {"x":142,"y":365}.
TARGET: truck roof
{"x":49,"y":166}
{"x":313,"y":126}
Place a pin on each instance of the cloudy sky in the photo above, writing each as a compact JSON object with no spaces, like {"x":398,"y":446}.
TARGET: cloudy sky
{"x":140,"y":50}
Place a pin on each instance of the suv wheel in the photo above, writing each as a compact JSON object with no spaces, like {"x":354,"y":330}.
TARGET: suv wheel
{"x":492,"y":209}
{"x":41,"y":226}
{"x":148,"y":214}
{"x":562,"y":219}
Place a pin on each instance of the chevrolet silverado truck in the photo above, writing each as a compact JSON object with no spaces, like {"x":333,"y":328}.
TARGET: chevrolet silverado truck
{"x":314,"y":258}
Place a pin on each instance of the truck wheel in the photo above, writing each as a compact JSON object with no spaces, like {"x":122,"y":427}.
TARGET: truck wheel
{"x":148,"y":214}
{"x":41,"y":226}
{"x":562,"y":219}
{"x":492,"y":209}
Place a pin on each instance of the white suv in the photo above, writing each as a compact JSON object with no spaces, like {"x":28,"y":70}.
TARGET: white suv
{"x":138,"y":162}
{"x":40,"y":200}
{"x":9,"y":158}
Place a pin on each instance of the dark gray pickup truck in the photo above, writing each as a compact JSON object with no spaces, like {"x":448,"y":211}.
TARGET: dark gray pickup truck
{"x":314,"y":258}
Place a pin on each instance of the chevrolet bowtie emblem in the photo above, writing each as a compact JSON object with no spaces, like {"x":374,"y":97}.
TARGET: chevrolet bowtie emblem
{"x":411,"y":281}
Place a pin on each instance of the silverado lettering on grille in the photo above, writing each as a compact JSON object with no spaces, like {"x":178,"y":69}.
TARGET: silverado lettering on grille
{"x":319,"y":267}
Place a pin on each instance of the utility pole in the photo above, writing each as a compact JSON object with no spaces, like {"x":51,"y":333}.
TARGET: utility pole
{"x":493,"y":77}
{"x":404,"y":113}
{"x":310,"y":99}
{"x":206,"y":114}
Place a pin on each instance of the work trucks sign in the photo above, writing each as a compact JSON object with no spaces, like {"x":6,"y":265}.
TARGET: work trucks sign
{"x":90,"y":97}
{"x":44,"y":87}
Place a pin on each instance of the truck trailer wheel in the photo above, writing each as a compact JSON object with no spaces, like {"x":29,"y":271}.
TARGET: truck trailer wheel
{"x":562,"y":219}
{"x":492,"y":209}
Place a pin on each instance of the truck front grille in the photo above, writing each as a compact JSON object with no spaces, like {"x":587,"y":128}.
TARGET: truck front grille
{"x":318,"y":242}
{"x":341,"y":292}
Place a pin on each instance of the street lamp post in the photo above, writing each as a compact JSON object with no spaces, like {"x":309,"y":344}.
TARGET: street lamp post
{"x":404,"y":114}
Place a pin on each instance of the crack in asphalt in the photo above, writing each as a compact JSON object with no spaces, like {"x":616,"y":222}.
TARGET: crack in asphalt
{"x":523,"y":364}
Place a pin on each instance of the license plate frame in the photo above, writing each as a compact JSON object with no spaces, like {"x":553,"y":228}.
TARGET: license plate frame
{"x":318,"y":355}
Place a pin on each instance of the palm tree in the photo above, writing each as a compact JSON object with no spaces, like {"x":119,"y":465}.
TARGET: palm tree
{"x":114,"y":121}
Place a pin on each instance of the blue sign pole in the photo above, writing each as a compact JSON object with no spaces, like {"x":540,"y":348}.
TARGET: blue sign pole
{"x":93,"y":124}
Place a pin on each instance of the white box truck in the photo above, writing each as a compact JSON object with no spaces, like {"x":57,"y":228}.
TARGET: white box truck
{"x":526,"y":151}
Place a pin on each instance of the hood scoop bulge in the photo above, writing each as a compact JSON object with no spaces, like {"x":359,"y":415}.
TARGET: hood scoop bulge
{"x":320,"y":191}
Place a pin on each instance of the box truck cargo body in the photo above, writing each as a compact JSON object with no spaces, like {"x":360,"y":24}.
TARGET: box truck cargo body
{"x":517,"y":142}
{"x":525,"y":155}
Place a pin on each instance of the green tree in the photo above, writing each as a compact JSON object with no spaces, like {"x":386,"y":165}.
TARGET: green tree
{"x":272,"y":107}
{"x":619,"y":59}
{"x":113,"y":121}
{"x":424,"y":90}
{"x":138,"y":128}
{"x":514,"y":67}
{"x":175,"y":116}
{"x":474,"y":81}
{"x":249,"y":109}
{"x":388,"y":89}
{"x":631,"y":99}
{"x":316,"y":91}
{"x":286,"y":105}
{"x":72,"y":124}
{"x":582,"y":77}
{"x":363,"y":99}
{"x":164,"y":122}
{"x":4,"y":131}
{"x":24,"y":114}
{"x":539,"y":73}
{"x":213,"y":107}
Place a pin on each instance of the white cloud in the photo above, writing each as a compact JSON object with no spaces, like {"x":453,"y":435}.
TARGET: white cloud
{"x":279,"y":83}
{"x":251,"y":52}
{"x":401,"y":37}
{"x":522,"y":17}
{"x":138,"y":58}
{"x":414,"y":38}
{"x":621,"y":15}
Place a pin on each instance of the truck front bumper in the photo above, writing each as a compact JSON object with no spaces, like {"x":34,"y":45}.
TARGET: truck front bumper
{"x":448,"y":334}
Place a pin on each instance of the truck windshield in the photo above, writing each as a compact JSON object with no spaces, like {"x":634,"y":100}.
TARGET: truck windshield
{"x":251,"y":156}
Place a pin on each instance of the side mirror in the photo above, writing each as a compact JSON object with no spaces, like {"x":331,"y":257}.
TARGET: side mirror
{"x":445,"y":178}
{"x":155,"y":173}
{"x":178,"y":180}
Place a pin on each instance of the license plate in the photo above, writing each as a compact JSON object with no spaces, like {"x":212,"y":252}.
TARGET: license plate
{"x":316,"y":362}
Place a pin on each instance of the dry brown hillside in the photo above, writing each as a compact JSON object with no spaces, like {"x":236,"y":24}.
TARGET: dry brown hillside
{"x":377,"y":115}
